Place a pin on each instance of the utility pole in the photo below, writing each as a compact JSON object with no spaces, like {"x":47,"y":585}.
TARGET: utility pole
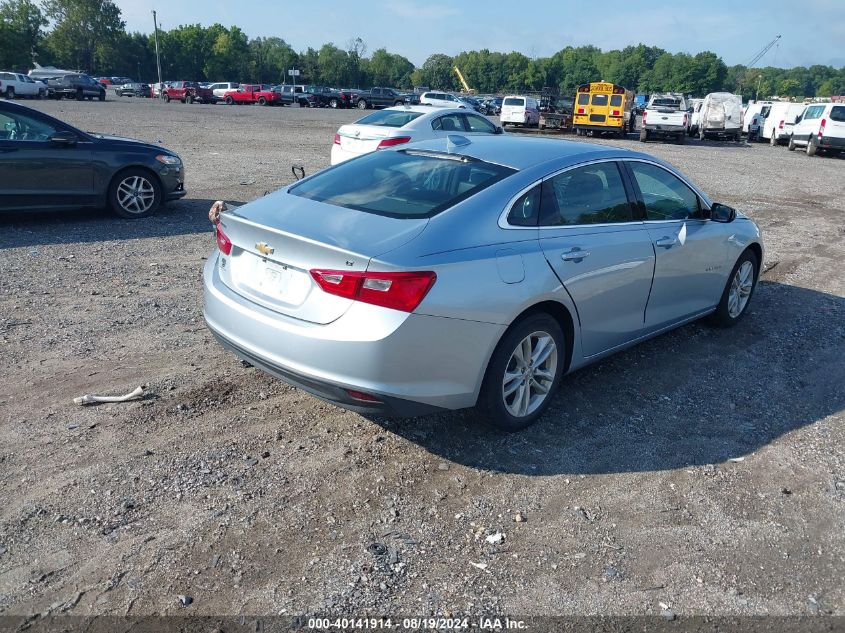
{"x":158,"y":59}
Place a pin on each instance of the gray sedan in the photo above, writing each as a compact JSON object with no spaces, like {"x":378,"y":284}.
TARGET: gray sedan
{"x":471,"y":272}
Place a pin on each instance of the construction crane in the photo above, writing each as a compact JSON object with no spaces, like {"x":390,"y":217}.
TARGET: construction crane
{"x":753,"y":61}
{"x":765,"y":50}
{"x":462,"y":80}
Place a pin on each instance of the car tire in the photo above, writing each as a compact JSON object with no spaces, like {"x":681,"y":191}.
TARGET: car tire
{"x":262,"y":101}
{"x":738,"y":291}
{"x":166,"y":98}
{"x":362,"y":104}
{"x":812,"y":148}
{"x":10,"y":93}
{"x":134,"y":193}
{"x":643,"y":135}
{"x":501,"y":403}
{"x":701,"y":135}
{"x":79,"y":94}
{"x":230,"y":101}
{"x":189,"y":99}
{"x":681,"y":138}
{"x":772,"y":140}
{"x":791,"y":144}
{"x":333,"y":103}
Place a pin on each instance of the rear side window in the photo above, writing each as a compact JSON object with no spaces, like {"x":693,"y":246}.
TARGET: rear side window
{"x":526,"y":210}
{"x":514,"y":101}
{"x":837,"y":113}
{"x":479,"y":124}
{"x":583,"y":99}
{"x":401,"y":184}
{"x":665,"y":195}
{"x":593,"y":194}
{"x":599,"y":100}
{"x":389,"y":118}
{"x":448,"y":123}
{"x":616,"y":101}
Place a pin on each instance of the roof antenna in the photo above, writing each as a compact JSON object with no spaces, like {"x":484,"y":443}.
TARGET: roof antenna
{"x":454,"y":141}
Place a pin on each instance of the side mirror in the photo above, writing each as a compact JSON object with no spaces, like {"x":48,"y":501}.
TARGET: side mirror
{"x":65,"y":138}
{"x":722,"y":213}
{"x":499,"y":130}
{"x":798,"y":118}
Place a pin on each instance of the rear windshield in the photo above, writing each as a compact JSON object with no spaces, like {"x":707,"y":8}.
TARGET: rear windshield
{"x":837,"y":113}
{"x":514,"y":101}
{"x":401,"y":184}
{"x":389,"y":118}
{"x":666,"y":103}
{"x":599,"y":100}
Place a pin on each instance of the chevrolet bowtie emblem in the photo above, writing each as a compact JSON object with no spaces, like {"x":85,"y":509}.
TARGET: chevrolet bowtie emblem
{"x":265,"y":249}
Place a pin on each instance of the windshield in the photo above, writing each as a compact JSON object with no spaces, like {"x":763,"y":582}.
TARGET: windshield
{"x":389,"y":118}
{"x":401,"y":184}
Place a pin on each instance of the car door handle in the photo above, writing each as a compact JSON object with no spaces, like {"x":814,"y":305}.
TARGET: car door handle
{"x":574,"y":255}
{"x":666,"y":242}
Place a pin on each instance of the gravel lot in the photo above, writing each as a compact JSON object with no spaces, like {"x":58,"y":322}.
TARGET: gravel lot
{"x":703,"y":470}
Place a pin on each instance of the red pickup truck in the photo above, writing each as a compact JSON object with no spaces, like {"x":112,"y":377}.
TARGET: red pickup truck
{"x":253,"y":93}
{"x":187,"y":92}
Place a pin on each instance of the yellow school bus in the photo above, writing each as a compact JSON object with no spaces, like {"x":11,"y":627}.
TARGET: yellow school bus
{"x":603,"y":107}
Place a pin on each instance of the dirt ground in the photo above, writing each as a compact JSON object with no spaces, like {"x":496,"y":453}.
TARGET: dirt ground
{"x":700,"y":473}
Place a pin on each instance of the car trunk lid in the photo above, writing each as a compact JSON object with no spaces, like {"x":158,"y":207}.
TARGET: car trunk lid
{"x":361,"y":139}
{"x":278,"y":239}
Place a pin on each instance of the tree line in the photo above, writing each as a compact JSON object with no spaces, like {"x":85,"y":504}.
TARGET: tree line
{"x":91,"y":35}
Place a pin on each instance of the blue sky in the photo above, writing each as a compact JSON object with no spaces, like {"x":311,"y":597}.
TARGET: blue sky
{"x":813,"y":30}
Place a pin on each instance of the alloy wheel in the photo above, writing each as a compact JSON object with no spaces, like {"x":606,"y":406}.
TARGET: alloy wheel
{"x":741,"y":287}
{"x":529,"y":374}
{"x":136,"y":194}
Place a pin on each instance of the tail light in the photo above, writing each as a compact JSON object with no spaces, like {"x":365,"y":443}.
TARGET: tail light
{"x":581,"y":111}
{"x":821,"y":128}
{"x":780,"y":125}
{"x":645,"y":114}
{"x":614,"y":113}
{"x":390,"y":142}
{"x":398,"y":291}
{"x":686,"y":120}
{"x":337,"y":139}
{"x":223,"y":241}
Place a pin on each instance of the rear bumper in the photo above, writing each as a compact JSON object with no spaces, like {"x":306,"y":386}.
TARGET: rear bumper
{"x":387,"y":406}
{"x":832,"y":142}
{"x":412,"y":363}
{"x":598,"y":128}
{"x":665,"y":129}
{"x":339,"y":154}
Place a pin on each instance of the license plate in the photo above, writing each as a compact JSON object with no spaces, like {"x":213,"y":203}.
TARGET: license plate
{"x":272,"y":279}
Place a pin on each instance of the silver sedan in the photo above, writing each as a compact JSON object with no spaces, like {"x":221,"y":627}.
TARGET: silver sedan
{"x":472,"y":272}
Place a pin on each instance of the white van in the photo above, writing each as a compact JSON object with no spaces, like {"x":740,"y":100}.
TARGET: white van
{"x":754,"y":107}
{"x":519,"y":110}
{"x":820,"y":128}
{"x":720,"y":116}
{"x":780,"y":120}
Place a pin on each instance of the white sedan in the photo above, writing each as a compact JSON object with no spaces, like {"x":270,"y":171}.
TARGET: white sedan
{"x":406,"y":124}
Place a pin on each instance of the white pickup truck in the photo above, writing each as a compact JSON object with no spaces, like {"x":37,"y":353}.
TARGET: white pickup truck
{"x":18,"y":85}
{"x":665,"y":116}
